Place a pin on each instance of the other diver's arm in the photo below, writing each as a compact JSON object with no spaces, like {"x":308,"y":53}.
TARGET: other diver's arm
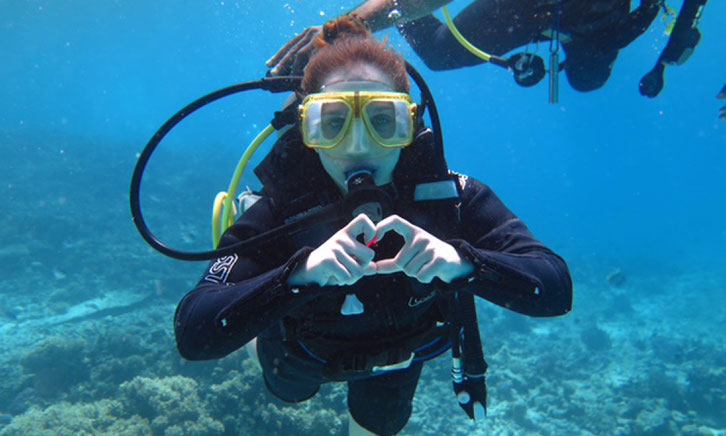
{"x":381,"y":14}
{"x":512,"y":268}
{"x":292,"y":57}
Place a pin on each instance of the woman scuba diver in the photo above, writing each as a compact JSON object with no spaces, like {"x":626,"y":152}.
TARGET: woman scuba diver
{"x":368,"y":297}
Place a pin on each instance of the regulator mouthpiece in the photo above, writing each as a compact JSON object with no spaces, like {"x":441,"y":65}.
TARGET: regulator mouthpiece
{"x":365,"y":197}
{"x":360,"y":178}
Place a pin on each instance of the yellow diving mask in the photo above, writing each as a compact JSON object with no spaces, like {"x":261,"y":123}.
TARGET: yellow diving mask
{"x":326,"y":118}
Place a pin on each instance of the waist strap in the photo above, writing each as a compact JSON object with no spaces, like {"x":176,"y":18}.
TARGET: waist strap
{"x":343,"y":358}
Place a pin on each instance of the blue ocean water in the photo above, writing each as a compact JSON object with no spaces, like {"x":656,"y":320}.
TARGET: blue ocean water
{"x":629,"y":190}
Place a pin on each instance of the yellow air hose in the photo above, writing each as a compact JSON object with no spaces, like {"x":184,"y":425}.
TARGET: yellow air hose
{"x":225,"y":200}
{"x":486,"y":57}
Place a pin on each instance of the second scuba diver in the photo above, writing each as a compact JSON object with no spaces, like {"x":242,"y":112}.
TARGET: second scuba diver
{"x":591,"y":33}
{"x":368,"y":298}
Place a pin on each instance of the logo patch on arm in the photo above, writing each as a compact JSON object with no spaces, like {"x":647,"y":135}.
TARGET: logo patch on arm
{"x":462,"y":179}
{"x":413,"y":301}
{"x":219,"y":271}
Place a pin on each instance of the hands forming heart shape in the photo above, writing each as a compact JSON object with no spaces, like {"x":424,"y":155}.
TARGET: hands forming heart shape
{"x":343,"y":260}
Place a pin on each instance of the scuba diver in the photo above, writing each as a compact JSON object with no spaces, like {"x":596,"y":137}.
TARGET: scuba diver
{"x":722,"y":95}
{"x":591,"y":34}
{"x":368,"y":296}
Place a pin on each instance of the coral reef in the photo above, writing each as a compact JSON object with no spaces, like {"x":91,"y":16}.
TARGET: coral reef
{"x":595,"y":339}
{"x":170,"y":404}
{"x":104,"y":417}
{"x":56,"y":364}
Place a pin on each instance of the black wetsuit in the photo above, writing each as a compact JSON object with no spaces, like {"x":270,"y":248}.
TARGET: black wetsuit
{"x":592,"y":33}
{"x":304,"y":340}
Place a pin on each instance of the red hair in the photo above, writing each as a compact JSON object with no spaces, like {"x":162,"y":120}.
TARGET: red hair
{"x":345,"y":43}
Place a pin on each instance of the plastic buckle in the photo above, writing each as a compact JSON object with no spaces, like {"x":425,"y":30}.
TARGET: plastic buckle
{"x":400,"y":365}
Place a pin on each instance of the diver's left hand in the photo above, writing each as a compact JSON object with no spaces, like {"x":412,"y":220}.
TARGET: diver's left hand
{"x":423,"y":255}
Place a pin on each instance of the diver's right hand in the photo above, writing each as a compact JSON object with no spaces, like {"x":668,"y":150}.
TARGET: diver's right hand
{"x":291,"y":59}
{"x":341,"y":260}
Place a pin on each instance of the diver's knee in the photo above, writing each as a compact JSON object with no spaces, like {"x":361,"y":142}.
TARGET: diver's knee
{"x":586,"y":69}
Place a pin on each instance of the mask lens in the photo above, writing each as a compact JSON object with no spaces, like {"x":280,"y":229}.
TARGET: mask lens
{"x":333,"y":116}
{"x":382,"y":118}
{"x":389,"y":122}
{"x":324,"y":122}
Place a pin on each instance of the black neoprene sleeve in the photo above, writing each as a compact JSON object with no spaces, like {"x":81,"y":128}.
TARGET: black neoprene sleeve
{"x":215,"y":319}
